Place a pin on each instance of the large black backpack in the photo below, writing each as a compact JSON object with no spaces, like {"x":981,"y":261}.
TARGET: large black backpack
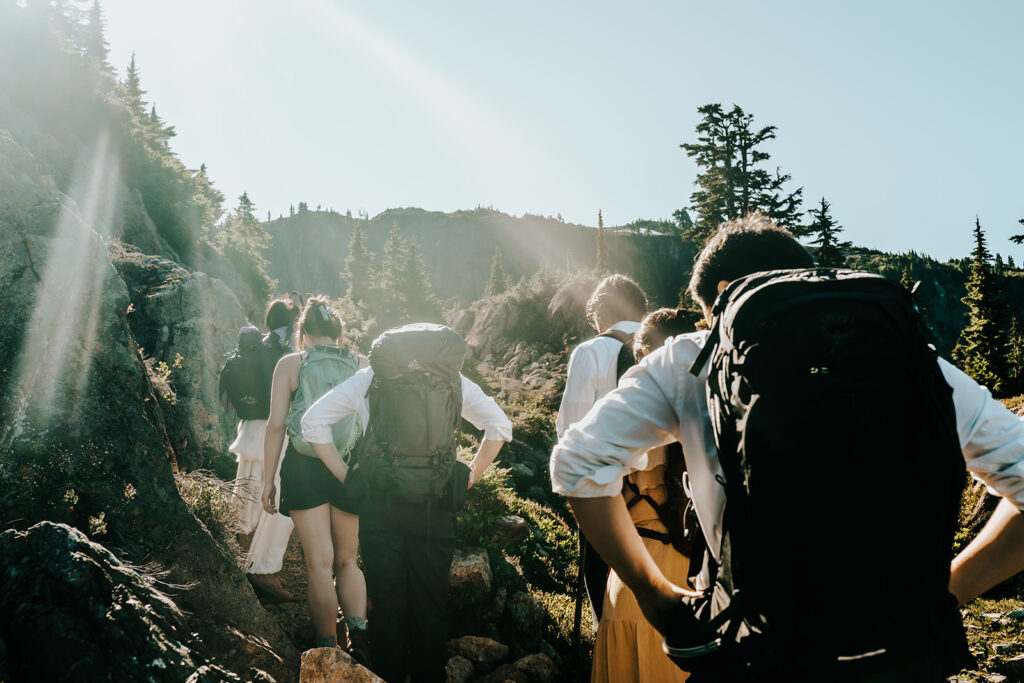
{"x":843,"y":474}
{"x":247,"y":375}
{"x":408,"y":452}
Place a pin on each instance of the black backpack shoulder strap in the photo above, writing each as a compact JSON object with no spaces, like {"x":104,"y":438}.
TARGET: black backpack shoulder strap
{"x":625,"y":360}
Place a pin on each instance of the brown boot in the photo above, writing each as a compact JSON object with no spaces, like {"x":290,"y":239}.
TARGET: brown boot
{"x":270,"y":586}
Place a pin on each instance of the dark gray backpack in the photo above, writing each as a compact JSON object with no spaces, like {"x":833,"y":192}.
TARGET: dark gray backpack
{"x":409,"y":449}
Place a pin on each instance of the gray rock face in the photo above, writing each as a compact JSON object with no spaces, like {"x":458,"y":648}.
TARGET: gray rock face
{"x":82,"y":431}
{"x":186,"y":320}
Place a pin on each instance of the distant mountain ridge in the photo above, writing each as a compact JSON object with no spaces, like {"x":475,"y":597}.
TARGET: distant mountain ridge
{"x":308,"y":250}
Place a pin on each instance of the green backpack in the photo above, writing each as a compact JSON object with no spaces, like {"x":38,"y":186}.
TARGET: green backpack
{"x":323,"y":368}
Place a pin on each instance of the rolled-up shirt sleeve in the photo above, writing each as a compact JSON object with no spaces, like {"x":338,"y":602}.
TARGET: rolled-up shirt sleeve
{"x":346,"y":398}
{"x":991,"y":437}
{"x":613,"y":438}
{"x":483,"y":412}
{"x":580,"y":389}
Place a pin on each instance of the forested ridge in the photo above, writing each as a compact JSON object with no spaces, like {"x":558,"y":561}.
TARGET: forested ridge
{"x":126,"y":277}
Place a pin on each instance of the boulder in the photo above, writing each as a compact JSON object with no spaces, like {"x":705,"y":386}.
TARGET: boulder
{"x":539,"y":667}
{"x":462,"y":321}
{"x":470,"y":575}
{"x":330,"y":664}
{"x":526,"y":614}
{"x":478,"y":649}
{"x":458,"y":670}
{"x":511,"y":528}
{"x":68,"y":605}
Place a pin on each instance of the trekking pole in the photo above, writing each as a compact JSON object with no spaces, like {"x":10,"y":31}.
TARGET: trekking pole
{"x":578,"y":614}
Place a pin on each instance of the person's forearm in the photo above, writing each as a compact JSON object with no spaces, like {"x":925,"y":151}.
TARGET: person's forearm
{"x":485,"y":455}
{"x":996,"y":554}
{"x":272,"y":443}
{"x":329,"y":456}
{"x":606,"y":523}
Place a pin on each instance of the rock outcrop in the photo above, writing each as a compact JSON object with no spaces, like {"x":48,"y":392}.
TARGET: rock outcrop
{"x":70,"y":609}
{"x":83,"y":433}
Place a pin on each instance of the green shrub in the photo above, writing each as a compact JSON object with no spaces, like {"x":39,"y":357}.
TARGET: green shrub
{"x":211,"y":500}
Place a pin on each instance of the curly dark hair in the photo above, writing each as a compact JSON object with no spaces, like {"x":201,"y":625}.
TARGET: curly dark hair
{"x":742,"y":246}
{"x":618,"y":297}
{"x":659,"y":325}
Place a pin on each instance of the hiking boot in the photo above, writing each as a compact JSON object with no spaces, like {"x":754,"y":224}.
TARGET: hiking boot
{"x":359,"y":646}
{"x":270,"y":585}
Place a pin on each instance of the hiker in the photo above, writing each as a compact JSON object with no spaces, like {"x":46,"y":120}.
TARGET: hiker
{"x":901,"y":449}
{"x":310,"y":492}
{"x":627,"y":647}
{"x":614,"y":310}
{"x":409,"y":402}
{"x":280,"y":318}
{"x":295,"y":300}
{"x":245,"y":387}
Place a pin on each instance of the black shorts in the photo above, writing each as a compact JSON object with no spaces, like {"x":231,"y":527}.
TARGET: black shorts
{"x":306,"y":483}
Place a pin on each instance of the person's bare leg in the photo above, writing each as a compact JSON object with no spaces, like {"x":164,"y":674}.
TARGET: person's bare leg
{"x":314,"y":527}
{"x":350,"y":583}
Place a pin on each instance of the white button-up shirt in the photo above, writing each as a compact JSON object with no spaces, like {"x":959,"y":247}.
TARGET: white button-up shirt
{"x":658,"y":401}
{"x":591,"y":374}
{"x":350,"y":397}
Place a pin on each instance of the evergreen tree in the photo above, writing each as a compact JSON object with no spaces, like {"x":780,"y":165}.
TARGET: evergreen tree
{"x":244,"y":234}
{"x":826,"y":236}
{"x":731,"y":182}
{"x":96,"y":46}
{"x":208,"y":203}
{"x":981,"y":350}
{"x":418,"y":302}
{"x":133,"y":91}
{"x":291,"y":209}
{"x":357,"y":266}
{"x":498,"y":282}
{"x":1009,"y":263}
{"x":998,"y":267}
{"x":602,"y":249}
{"x":1015,"y":358}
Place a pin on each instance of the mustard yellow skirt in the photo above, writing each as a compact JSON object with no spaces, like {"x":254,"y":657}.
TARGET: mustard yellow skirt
{"x":628,"y":648}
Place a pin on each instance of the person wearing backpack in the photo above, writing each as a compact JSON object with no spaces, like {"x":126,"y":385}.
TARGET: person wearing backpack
{"x":313,"y":492}
{"x":410,"y":404}
{"x":627,"y":647}
{"x":614,"y":311}
{"x":823,"y":383}
{"x":244,"y":387}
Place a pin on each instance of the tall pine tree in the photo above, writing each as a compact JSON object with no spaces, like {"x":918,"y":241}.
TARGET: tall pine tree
{"x":732,"y":182}
{"x":981,"y":350}
{"x":418,"y":302}
{"x":357,"y":266}
{"x":1015,"y":358}
{"x":498,"y":282}
{"x":602,"y":248}
{"x":831,"y":251}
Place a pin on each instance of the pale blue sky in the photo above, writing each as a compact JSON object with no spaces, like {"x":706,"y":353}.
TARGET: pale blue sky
{"x":906,"y":116}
